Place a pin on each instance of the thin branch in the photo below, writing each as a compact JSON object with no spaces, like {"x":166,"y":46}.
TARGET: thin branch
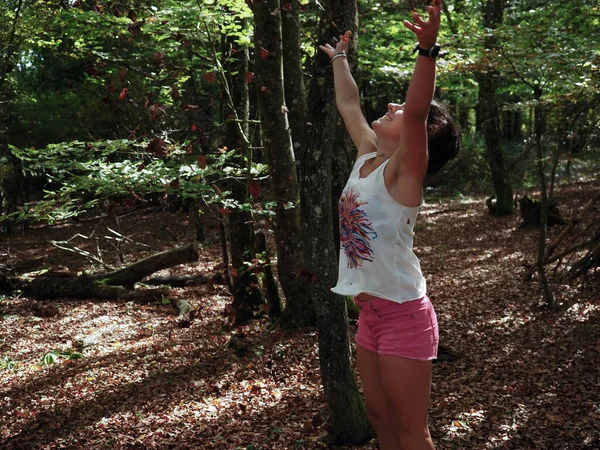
{"x":517,"y":73}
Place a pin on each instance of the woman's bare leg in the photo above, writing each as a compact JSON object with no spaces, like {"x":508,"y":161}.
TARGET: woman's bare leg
{"x":407,"y":387}
{"x":378,"y":410}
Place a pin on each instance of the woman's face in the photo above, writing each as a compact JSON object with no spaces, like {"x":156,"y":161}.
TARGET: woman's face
{"x":391,"y":122}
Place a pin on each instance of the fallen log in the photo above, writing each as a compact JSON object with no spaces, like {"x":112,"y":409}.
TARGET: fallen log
{"x":111,"y":285}
{"x":137,"y":271}
{"x":182,"y":281}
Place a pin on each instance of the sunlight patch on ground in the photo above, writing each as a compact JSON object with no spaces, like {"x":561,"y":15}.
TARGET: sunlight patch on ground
{"x":514,"y":256}
{"x":514,"y":419}
{"x":511,"y":321}
{"x":463,"y":424}
{"x":581,"y":312}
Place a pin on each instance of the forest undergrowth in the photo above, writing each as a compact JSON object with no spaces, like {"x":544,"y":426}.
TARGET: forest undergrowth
{"x":526,"y":376}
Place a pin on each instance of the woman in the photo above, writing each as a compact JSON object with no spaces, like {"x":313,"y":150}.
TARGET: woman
{"x":397,"y":329}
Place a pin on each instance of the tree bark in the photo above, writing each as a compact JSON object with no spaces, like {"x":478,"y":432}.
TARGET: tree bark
{"x":239,"y":224}
{"x":539,"y":129}
{"x":348,"y":414}
{"x":11,"y":178}
{"x":489,"y":114}
{"x":282,"y":164}
{"x":139,"y":270}
{"x":111,"y":285}
{"x":293,"y":75}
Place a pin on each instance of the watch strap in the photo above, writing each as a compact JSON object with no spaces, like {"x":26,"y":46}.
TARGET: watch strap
{"x":431,"y":52}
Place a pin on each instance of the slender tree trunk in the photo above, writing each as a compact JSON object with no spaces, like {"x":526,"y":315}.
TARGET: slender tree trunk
{"x":295,"y":96}
{"x":489,"y":115}
{"x":348,"y":415}
{"x":282,"y":165}
{"x":239,"y":225}
{"x":539,"y":129}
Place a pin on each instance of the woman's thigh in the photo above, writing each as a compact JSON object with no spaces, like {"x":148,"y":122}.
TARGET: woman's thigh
{"x":407,"y":386}
{"x":368,"y":366}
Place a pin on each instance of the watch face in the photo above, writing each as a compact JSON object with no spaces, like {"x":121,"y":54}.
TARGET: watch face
{"x":434,"y":51}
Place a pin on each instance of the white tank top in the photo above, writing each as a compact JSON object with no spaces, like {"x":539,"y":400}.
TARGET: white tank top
{"x":376,"y":240}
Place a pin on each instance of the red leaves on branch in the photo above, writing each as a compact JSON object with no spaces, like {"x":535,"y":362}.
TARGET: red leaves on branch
{"x":202,"y":161}
{"x":287,"y":7}
{"x":174,"y":184}
{"x":174,"y":93}
{"x":249,"y":77}
{"x":211,"y":77}
{"x":123,"y":94}
{"x":263,"y":53}
{"x":122,"y":74}
{"x":132,"y":15}
{"x":141,"y":166}
{"x":255,"y":189}
{"x":194,"y":127}
{"x":190,"y":107}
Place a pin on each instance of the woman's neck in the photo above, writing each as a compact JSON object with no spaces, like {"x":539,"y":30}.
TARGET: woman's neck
{"x":386,"y":147}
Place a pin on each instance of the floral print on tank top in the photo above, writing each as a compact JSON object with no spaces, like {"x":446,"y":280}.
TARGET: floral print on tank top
{"x":356,"y":231}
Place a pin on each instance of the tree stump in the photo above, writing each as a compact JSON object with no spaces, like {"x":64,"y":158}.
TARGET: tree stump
{"x":531,"y":213}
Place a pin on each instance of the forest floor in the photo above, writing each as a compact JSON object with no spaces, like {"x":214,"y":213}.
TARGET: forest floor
{"x":526,"y":376}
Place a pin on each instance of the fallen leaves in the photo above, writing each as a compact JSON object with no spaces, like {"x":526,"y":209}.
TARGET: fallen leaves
{"x":526,"y":376}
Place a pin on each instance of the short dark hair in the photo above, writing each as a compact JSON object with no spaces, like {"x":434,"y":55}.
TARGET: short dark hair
{"x":444,"y":137}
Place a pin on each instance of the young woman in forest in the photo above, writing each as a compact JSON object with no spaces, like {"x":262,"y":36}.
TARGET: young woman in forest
{"x":397,"y":328}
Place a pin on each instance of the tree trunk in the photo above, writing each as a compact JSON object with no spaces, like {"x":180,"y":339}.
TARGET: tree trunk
{"x":348,"y":415}
{"x":10,"y":174}
{"x":539,"y":129}
{"x":489,"y":115}
{"x":282,"y":165}
{"x":239,"y":225}
{"x":293,"y":75}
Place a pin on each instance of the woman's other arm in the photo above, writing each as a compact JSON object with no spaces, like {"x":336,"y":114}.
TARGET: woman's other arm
{"x":347,"y":98}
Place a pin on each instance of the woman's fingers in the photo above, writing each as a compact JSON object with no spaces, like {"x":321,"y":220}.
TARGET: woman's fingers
{"x":420,"y":22}
{"x":410,"y":26}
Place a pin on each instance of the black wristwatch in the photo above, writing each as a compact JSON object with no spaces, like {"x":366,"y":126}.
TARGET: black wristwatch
{"x":431,"y":52}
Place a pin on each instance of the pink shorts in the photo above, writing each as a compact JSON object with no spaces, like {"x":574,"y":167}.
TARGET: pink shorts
{"x":408,"y":330}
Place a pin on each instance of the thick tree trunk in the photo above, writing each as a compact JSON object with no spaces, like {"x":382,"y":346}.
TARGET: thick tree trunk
{"x":10,"y":172}
{"x":282,"y":165}
{"x":348,"y":415}
{"x":489,"y":115}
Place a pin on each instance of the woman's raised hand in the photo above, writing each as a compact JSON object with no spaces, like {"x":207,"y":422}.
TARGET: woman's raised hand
{"x":340,"y":47}
{"x":426,"y":30}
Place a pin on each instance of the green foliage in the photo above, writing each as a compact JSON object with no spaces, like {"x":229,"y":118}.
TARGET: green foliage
{"x":53,"y":356}
{"x":83,"y":174}
{"x":7,"y":363}
{"x":85,"y":89}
